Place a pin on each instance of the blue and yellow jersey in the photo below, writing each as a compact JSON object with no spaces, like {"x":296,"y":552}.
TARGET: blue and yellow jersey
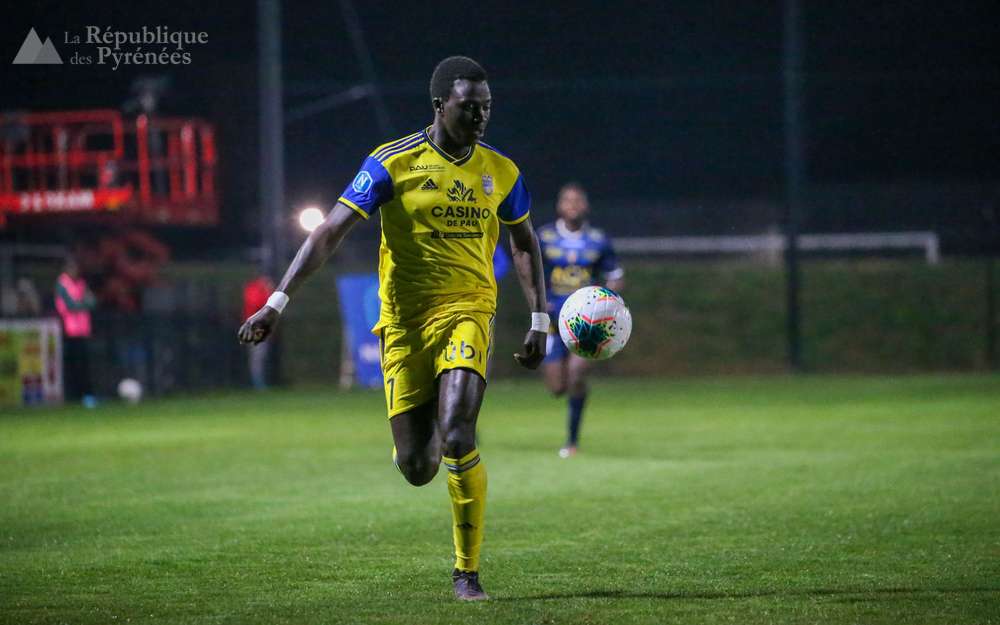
{"x":574,"y":260}
{"x":440,"y":223}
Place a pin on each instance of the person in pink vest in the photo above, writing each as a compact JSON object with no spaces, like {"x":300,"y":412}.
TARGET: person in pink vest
{"x":74,"y":301}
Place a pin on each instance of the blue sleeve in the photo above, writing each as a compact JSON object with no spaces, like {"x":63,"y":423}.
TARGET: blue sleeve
{"x":607,"y":264}
{"x":516,"y":206}
{"x":371,"y":188}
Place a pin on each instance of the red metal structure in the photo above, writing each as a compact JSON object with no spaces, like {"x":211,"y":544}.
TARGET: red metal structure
{"x":145,"y":170}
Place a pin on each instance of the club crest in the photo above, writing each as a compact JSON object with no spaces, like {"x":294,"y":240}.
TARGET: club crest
{"x":487,"y":184}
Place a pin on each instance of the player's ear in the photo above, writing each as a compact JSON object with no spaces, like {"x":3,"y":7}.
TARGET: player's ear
{"x":438,"y":105}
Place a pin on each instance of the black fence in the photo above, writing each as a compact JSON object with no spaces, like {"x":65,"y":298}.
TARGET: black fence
{"x":166,"y":352}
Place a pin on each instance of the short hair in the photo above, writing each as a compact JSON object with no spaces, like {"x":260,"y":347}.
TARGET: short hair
{"x":572,"y":185}
{"x":451,"y":69}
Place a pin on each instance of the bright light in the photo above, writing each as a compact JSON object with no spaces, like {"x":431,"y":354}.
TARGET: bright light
{"x":310,"y":218}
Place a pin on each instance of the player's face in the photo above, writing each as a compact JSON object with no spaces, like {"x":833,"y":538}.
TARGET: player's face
{"x":572,"y":205}
{"x":466,"y":111}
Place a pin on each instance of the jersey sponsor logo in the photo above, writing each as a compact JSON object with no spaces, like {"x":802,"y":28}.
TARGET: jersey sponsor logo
{"x":565,"y":280}
{"x":437,"y":234}
{"x":461,"y":216}
{"x":362,"y":182}
{"x":461,"y":212}
{"x":487,"y":184}
{"x":429,"y":185}
{"x":426,"y":167}
{"x":460,"y":193}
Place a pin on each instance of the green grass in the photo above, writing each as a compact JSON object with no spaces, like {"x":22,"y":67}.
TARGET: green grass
{"x":812,"y":500}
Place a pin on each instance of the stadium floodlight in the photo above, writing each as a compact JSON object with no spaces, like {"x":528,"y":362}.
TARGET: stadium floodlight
{"x":310,"y":218}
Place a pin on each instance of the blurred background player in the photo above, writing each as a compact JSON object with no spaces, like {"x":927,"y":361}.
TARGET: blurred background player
{"x":443,"y":195}
{"x":575,"y":255}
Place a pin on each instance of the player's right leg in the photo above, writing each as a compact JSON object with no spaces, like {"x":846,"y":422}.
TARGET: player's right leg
{"x":411,"y":399}
{"x":417,"y":443}
{"x":554,"y":366}
{"x":576,"y":390}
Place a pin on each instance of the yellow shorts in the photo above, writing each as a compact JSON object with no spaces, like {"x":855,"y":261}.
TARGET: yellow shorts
{"x":414,"y":356}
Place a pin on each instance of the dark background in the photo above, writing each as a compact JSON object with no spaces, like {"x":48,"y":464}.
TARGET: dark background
{"x":650,"y":105}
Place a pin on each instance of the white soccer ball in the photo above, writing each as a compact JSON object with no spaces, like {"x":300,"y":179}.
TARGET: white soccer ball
{"x":595,"y":323}
{"x":130,"y":390}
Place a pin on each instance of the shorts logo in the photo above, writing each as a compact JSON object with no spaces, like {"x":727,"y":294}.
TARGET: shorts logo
{"x":362,"y":182}
{"x":454,"y":352}
{"x":487,"y":184}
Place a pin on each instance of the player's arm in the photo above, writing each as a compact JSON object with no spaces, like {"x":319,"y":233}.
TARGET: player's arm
{"x":615,"y":284}
{"x":527,"y":259}
{"x":611,"y":270}
{"x":317,"y":248}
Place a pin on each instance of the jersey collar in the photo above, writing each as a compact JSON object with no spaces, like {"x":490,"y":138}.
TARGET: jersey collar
{"x":448,"y":157}
{"x":566,"y":233}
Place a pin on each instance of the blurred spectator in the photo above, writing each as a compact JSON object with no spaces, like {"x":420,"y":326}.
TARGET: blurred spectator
{"x":123,"y":265}
{"x":74,"y":301}
{"x":255,"y":294}
{"x":27,"y":302}
{"x":21,"y":300}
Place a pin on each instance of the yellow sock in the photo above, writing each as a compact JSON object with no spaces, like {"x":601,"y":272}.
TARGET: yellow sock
{"x":467,"y":487}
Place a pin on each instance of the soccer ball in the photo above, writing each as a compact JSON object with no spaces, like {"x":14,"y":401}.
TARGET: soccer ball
{"x":130,"y":390}
{"x":595,"y":323}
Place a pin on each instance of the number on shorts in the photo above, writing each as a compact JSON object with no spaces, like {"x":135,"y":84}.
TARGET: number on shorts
{"x":392,"y":390}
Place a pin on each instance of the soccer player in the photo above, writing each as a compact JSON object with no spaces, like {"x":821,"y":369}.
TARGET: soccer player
{"x":575,"y":255}
{"x":443,"y":194}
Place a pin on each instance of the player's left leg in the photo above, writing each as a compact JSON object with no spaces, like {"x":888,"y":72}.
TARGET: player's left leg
{"x":576,"y":390}
{"x":459,"y":398}
{"x":461,"y":367}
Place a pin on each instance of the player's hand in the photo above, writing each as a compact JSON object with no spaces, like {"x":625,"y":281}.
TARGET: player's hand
{"x":534,"y":350}
{"x":259,"y":326}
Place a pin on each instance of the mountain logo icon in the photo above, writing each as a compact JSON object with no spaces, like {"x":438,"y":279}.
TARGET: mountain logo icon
{"x":34,"y":52}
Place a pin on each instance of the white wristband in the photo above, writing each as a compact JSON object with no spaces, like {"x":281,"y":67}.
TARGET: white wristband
{"x":540,"y":322}
{"x":278,"y":301}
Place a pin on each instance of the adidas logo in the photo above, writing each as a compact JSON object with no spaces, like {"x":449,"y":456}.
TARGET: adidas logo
{"x":34,"y":52}
{"x":429,"y":185}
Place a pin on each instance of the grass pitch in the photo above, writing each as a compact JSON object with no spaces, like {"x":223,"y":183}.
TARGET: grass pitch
{"x":809,"y":500}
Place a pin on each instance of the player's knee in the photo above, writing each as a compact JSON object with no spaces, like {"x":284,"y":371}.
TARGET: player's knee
{"x":555,"y":383}
{"x":417,"y":468}
{"x":458,"y":442}
{"x":577,"y":387}
{"x":557,"y":388}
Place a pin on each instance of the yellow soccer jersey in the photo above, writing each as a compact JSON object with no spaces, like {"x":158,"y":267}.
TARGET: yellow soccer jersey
{"x":440,"y":223}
